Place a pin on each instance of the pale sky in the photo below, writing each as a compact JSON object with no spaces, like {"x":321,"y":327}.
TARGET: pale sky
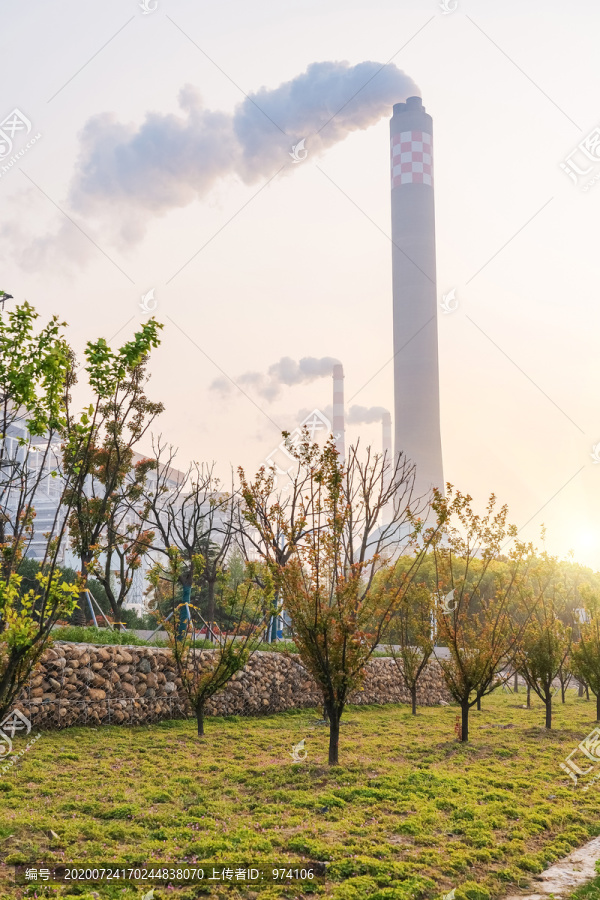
{"x":300,"y":265}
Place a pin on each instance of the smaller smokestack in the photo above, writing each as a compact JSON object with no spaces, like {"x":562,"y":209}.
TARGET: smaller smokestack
{"x":386,"y":436}
{"x":338,"y":410}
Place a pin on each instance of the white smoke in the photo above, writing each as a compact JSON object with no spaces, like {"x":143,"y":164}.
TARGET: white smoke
{"x":363,"y":415}
{"x":285,"y":372}
{"x":170,"y":160}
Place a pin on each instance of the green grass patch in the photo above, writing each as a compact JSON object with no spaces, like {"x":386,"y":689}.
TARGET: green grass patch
{"x":78,"y":634}
{"x":90,"y":635}
{"x":410,"y":813}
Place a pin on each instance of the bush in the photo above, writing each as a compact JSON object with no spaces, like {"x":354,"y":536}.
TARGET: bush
{"x":469,"y":890}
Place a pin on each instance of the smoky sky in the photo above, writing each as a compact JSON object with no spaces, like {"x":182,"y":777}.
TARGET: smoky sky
{"x":365,"y":415}
{"x":169,"y":160}
{"x":286,"y":372}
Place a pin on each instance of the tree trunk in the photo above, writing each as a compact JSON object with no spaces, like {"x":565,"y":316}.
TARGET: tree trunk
{"x":479,"y":704}
{"x":516,"y":683}
{"x":548,"y":702}
{"x":562,"y":691}
{"x":79,"y":616}
{"x":597,"y":707}
{"x":587,"y":692}
{"x":464,"y":727}
{"x":334,"y":737}
{"x":580,"y":690}
{"x":413,"y":698}
{"x":200,"y":720}
{"x":325,"y":714}
{"x":115,"y":610}
{"x":528,"y":697}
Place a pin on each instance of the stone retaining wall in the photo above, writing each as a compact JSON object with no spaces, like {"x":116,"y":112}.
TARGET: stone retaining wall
{"x":86,"y":684}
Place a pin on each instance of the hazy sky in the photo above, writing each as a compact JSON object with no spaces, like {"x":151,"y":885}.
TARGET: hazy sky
{"x":180,"y":183}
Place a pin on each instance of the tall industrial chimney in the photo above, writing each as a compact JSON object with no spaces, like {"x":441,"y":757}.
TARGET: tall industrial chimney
{"x":416,"y":375}
{"x":338,"y":410}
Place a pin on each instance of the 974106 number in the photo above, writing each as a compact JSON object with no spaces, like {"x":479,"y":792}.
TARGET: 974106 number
{"x":296,"y":874}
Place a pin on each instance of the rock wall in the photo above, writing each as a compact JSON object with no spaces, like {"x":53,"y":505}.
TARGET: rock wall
{"x":84,"y":684}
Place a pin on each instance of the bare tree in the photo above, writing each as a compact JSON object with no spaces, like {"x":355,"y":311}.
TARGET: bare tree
{"x":190,"y":511}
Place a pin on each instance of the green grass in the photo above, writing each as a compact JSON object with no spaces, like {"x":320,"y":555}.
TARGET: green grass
{"x":89,"y":635}
{"x":589,"y":891}
{"x":408,"y":815}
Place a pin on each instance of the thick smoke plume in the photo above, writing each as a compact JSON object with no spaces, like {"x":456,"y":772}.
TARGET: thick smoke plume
{"x":363,"y":415}
{"x":285,"y":372}
{"x":170,"y":160}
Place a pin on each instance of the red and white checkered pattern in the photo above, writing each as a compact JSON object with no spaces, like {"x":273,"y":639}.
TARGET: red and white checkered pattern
{"x":412,"y":162}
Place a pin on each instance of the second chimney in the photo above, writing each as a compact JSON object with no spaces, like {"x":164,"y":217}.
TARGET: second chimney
{"x":338,"y":410}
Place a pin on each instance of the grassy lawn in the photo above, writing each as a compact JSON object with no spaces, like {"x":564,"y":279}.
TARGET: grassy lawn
{"x":409,"y":813}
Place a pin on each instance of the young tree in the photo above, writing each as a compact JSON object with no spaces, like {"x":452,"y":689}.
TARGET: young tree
{"x":586,"y":651}
{"x":36,"y":375}
{"x":100,"y":445}
{"x":545,"y":643}
{"x":565,"y":674}
{"x":205,"y":672}
{"x":323,"y":545}
{"x":479,"y":627}
{"x":127,"y":541}
{"x":33,"y":381}
{"x":412,"y":637}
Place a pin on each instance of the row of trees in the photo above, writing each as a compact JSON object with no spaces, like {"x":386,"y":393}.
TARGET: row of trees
{"x":435,"y":573}
{"x":497,"y":616}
